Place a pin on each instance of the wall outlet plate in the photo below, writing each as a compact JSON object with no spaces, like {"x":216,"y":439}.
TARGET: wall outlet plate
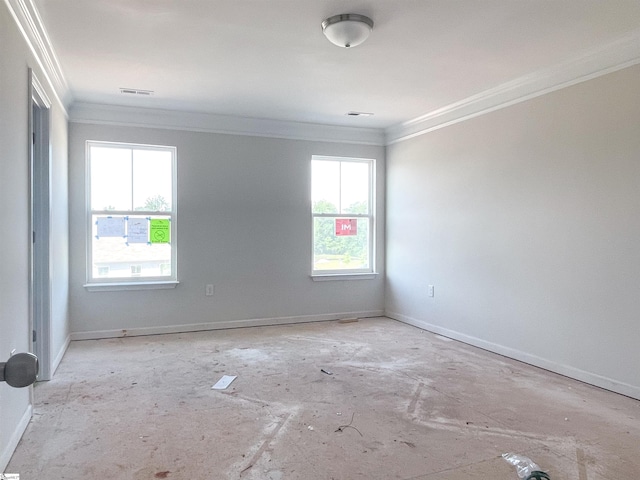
{"x":208,"y":290}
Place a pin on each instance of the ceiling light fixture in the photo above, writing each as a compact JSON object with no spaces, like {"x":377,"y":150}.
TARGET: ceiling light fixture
{"x":359,"y":114}
{"x":347,"y":30}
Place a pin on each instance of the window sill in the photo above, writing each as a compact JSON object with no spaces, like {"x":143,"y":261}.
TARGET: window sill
{"x":343,"y":276}
{"x":121,"y":286}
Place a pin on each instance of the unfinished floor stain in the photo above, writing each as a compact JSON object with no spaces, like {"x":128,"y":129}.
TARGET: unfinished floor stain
{"x":265,"y":444}
{"x":414,"y":400}
{"x":419,"y":407}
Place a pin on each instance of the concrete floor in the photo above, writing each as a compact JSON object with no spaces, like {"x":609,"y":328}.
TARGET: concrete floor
{"x":421,"y":407}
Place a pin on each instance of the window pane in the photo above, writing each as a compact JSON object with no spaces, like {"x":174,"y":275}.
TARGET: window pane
{"x":333,"y":252}
{"x":110,"y":178}
{"x":114,"y":257}
{"x":325,"y":186}
{"x":342,"y":214}
{"x":152,"y":180}
{"x":354,"y":186}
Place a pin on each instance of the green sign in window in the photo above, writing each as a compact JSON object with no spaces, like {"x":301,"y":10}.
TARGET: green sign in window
{"x":159,"y":231}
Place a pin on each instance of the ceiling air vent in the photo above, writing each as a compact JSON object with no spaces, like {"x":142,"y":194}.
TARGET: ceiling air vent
{"x":359,"y":114}
{"x":136,"y":91}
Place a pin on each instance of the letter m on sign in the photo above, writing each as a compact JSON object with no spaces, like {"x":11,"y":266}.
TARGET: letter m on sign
{"x":346,"y":227}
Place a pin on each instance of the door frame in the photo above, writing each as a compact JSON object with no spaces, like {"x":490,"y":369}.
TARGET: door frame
{"x":39,"y":225}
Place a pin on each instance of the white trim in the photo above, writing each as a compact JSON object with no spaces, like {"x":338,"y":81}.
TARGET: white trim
{"x":211,"y":123}
{"x":128,"y":283}
{"x":7,"y":452}
{"x":56,"y":361}
{"x":343,"y":276}
{"x":566,"y":370}
{"x":39,"y":91}
{"x":40,"y":260}
{"x":121,"y":286}
{"x":30,"y":24}
{"x":198,"y":327}
{"x":616,"y":55}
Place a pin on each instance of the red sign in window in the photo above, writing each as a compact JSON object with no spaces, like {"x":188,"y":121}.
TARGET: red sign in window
{"x":346,"y":226}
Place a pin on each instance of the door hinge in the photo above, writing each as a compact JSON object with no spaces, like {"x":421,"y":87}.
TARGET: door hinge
{"x":33,"y":135}
{"x":33,"y":237}
{"x":34,"y":335}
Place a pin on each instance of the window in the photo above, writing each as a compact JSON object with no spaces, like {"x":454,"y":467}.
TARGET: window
{"x":131,"y":214}
{"x":342,"y":210}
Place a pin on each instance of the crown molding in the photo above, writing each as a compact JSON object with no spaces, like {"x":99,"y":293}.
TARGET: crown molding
{"x":210,"y":123}
{"x":616,"y":55}
{"x":30,"y":24}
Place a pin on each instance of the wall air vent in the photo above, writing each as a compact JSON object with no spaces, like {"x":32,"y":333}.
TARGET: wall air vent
{"x":136,"y":91}
{"x":359,"y":114}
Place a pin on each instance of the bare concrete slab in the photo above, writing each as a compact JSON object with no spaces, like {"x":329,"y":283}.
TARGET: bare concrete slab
{"x":399,"y":403}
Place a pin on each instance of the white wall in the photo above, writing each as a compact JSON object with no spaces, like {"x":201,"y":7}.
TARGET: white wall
{"x":60,"y":333}
{"x":526,"y":220}
{"x":244,"y":225}
{"x":15,"y":59}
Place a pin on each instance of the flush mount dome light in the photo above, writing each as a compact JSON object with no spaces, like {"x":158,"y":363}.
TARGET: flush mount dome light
{"x":347,"y":30}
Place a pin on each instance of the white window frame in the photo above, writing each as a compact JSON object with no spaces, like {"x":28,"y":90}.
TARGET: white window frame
{"x":347,"y":274}
{"x":99,"y":283}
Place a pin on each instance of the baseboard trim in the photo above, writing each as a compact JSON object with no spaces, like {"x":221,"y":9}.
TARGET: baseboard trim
{"x":197,"y":327}
{"x":566,"y":370}
{"x":7,"y":452}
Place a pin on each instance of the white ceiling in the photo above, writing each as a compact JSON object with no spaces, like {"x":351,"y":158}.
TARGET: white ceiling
{"x":269,"y":59}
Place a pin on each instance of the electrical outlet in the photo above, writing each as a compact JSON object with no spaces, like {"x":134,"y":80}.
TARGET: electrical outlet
{"x":208,"y":290}
{"x":431,"y":291}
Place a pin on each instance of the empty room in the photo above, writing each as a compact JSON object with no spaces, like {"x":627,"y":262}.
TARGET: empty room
{"x":320,"y":239}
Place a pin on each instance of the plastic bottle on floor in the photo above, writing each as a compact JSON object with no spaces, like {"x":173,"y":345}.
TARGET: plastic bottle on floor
{"x":525,"y":467}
